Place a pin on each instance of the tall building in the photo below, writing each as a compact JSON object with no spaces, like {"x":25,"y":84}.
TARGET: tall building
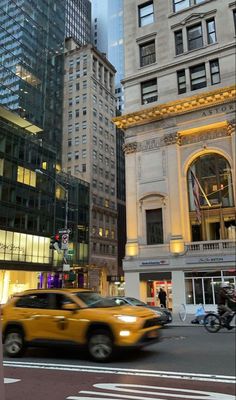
{"x":31,"y":91}
{"x":107,"y":33}
{"x":78,"y":20}
{"x":89,"y":150}
{"x":32,"y":38}
{"x":179,"y":125}
{"x":107,"y":36}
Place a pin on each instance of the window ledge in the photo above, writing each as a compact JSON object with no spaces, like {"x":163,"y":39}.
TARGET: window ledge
{"x":199,"y":48}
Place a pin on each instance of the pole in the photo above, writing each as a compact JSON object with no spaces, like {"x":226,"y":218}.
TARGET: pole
{"x":2,"y":389}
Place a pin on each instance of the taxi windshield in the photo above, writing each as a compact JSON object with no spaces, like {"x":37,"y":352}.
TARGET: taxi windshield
{"x":93,"y":300}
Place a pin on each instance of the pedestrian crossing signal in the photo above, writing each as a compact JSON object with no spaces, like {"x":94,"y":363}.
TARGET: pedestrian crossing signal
{"x":55,"y":242}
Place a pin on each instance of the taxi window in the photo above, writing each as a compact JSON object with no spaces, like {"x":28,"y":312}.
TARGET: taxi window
{"x":39,"y":300}
{"x":60,"y":299}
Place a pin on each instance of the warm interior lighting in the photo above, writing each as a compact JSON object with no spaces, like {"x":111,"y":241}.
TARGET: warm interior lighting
{"x":176,"y":244}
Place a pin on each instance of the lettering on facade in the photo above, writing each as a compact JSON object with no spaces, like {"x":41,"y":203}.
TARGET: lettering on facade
{"x":11,"y":248}
{"x":206,"y":260}
{"x":218,"y":110}
{"x":155,"y":262}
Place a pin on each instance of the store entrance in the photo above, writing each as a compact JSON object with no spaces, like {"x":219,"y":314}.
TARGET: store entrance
{"x":153,"y":290}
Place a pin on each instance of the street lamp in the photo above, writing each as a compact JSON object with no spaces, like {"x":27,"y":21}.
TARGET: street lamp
{"x":66,"y":230}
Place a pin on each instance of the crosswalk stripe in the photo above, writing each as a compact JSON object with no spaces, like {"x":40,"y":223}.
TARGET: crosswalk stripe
{"x":122,"y":371}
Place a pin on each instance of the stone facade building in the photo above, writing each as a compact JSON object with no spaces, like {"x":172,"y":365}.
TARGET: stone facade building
{"x":89,"y":151}
{"x":179,"y":123}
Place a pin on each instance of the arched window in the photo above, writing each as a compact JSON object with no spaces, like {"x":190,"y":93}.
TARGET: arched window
{"x":211,"y":202}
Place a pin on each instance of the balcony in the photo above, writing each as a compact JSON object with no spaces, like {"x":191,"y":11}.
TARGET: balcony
{"x":213,"y":247}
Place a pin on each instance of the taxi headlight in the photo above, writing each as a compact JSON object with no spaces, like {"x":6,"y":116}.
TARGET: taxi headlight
{"x":127,"y":318}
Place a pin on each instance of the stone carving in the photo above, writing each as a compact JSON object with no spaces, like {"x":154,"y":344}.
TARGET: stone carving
{"x":205,"y":136}
{"x":231,"y":127}
{"x":130,"y":147}
{"x":171,"y":138}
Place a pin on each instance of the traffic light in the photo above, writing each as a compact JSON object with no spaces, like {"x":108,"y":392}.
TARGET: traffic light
{"x":55,"y":242}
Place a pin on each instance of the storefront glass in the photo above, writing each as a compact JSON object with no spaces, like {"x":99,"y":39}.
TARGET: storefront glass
{"x":200,"y":287}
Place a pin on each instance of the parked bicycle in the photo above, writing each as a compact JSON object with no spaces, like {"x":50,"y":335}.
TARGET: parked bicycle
{"x":214,"y":322}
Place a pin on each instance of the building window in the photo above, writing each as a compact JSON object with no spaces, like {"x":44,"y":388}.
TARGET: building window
{"x":179,"y":5}
{"x":198,"y":77}
{"x":149,"y":91}
{"x":234,"y":17}
{"x":147,"y":53}
{"x":211,"y":31}
{"x":179,"y":46}
{"x":26,"y":176}
{"x":146,"y":14}
{"x":195,"y":39}
{"x":213,"y":173}
{"x":154,"y":226}
{"x":181,"y":80}
{"x":215,"y":72}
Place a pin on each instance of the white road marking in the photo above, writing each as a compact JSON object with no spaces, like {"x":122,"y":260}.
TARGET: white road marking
{"x":11,"y":380}
{"x":140,"y":392}
{"x":122,"y":371}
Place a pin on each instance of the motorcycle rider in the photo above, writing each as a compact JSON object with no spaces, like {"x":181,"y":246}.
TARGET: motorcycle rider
{"x":225,"y":295}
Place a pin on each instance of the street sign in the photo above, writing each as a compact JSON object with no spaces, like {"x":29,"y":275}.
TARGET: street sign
{"x":64,"y":241}
{"x":71,"y":252}
{"x":64,"y":230}
{"x":66,"y":267}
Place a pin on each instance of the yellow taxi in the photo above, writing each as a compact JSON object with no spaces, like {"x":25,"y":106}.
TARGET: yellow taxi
{"x":75,"y":317}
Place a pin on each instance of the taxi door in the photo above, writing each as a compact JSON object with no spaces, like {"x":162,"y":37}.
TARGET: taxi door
{"x":64,"y":325}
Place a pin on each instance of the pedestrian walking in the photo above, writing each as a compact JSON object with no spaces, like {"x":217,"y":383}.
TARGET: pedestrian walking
{"x":162,"y":297}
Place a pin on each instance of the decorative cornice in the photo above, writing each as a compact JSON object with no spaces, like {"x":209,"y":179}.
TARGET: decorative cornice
{"x":177,"y":107}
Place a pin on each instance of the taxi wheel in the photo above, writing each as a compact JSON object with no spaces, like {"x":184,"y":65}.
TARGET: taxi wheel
{"x":100,"y":345}
{"x":14,"y":345}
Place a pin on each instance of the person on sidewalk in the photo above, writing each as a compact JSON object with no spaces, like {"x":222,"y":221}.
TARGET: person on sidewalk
{"x":224,"y":297}
{"x":199,"y":316}
{"x":162,"y":297}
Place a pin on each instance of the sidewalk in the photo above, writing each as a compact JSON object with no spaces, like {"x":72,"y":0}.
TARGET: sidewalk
{"x":189,"y":317}
{"x":177,"y":321}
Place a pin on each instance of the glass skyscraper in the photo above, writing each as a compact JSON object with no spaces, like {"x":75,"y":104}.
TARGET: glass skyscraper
{"x":78,"y":21}
{"x":32,"y":207}
{"x":31,"y":65}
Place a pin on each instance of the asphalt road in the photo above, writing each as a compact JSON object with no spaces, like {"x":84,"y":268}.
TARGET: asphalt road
{"x":187,"y":361}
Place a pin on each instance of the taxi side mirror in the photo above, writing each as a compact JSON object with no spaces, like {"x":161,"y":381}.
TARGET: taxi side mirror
{"x":70,"y":307}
